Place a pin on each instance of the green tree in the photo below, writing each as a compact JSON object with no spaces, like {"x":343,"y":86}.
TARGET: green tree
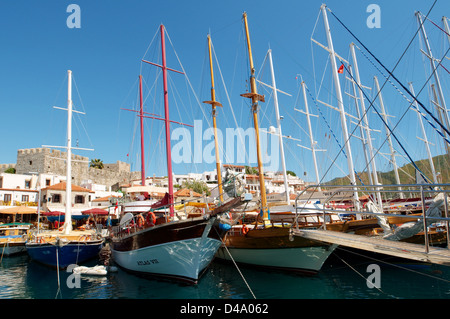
{"x":251,"y":170}
{"x":10,"y":170}
{"x":197,"y":186}
{"x":96,"y":163}
{"x":291,"y":173}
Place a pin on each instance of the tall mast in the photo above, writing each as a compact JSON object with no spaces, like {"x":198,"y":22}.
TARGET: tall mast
{"x":435,"y":74}
{"x":366,"y":124}
{"x":255,"y":98}
{"x":361,"y":129}
{"x":167,"y":122}
{"x":439,"y":111}
{"x":68,"y":216}
{"x":391,"y":147}
{"x":214,"y":103}
{"x":311,"y":138}
{"x":280,"y":135}
{"x":166,"y":117}
{"x":425,"y":140}
{"x":141,"y":115}
{"x":340,"y":104}
{"x":447,"y":29}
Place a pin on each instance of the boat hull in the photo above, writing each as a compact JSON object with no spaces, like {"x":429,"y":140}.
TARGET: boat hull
{"x":12,"y":248}
{"x":68,"y":254}
{"x":179,"y":250}
{"x":307,"y":260}
{"x":273,"y":248}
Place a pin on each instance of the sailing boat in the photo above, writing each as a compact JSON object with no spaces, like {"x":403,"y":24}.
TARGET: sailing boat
{"x":267,"y":244}
{"x":161,"y":245}
{"x":66,"y":247}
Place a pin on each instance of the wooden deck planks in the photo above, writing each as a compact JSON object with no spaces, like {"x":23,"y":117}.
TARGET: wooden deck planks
{"x":375,"y":244}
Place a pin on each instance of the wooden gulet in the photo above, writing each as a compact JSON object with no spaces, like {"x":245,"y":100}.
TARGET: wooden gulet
{"x":174,"y":248}
{"x":269,"y":245}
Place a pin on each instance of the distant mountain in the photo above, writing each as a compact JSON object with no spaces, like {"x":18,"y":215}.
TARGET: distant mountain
{"x":407,"y":173}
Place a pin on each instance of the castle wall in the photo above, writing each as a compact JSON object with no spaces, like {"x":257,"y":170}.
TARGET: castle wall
{"x":45,"y":160}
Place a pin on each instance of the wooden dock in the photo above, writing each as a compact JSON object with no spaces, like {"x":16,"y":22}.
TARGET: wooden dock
{"x":376,"y":244}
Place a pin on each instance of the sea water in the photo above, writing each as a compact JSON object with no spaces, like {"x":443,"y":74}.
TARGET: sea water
{"x":344,"y":276}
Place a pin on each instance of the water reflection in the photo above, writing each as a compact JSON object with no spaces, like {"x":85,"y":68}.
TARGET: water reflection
{"x":21,"y":278}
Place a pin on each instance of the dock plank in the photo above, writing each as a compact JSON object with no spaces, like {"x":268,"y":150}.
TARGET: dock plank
{"x":377,"y":244}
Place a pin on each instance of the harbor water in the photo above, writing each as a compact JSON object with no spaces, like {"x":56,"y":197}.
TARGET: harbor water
{"x":344,"y":276}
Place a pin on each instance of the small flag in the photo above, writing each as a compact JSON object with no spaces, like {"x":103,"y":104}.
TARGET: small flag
{"x":341,"y":69}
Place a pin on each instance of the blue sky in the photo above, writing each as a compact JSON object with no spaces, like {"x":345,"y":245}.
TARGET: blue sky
{"x":105,"y":56}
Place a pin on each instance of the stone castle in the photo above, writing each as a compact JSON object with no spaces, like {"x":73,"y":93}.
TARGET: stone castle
{"x":50,"y":161}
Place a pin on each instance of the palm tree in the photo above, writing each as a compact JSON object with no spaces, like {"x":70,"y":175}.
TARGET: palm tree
{"x":96,"y":163}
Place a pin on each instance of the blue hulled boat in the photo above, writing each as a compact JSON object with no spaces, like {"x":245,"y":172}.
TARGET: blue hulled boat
{"x":63,"y":247}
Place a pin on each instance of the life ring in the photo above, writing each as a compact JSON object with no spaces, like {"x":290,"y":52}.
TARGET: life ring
{"x":244,"y":229}
{"x":140,"y":221}
{"x":151,"y":218}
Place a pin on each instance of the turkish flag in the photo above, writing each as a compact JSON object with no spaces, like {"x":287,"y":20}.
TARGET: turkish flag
{"x":341,"y":69}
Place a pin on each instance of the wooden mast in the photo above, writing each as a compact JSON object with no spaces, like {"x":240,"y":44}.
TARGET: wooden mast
{"x":255,"y":98}
{"x":214,"y":103}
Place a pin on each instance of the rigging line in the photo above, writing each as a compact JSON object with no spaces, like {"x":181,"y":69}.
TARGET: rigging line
{"x":391,"y":131}
{"x":337,"y":141}
{"x":394,"y":265}
{"x":329,"y":167}
{"x":174,"y":92}
{"x":405,"y":97}
{"x":229,"y":102}
{"x":148,"y":47}
{"x":436,"y":25}
{"x":390,"y":73}
{"x":382,"y":119}
{"x":312,"y":49}
{"x":232,"y":259}
{"x":366,"y":279}
{"x":84,"y":110}
{"x":187,"y":79}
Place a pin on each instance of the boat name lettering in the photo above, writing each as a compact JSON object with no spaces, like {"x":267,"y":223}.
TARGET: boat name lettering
{"x":147,"y":262}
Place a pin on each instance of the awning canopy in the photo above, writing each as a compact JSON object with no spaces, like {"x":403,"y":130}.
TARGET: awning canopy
{"x":19,"y":210}
{"x":95,"y":211}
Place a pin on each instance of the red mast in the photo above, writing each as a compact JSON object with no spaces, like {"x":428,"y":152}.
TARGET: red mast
{"x":166,"y":116}
{"x":141,"y":115}
{"x":167,"y":122}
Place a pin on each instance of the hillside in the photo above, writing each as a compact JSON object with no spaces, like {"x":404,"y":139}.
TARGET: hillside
{"x":406,"y":173}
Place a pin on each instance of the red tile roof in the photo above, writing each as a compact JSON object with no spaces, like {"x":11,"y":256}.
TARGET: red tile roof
{"x":62,"y":187}
{"x":184,"y":192}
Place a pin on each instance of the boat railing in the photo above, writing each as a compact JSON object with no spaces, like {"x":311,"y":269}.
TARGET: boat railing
{"x":425,"y":192}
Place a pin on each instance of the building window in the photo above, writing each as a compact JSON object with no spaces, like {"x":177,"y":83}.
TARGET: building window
{"x":7,"y":197}
{"x":47,"y":182}
{"x":56,"y":198}
{"x":27,"y":184}
{"x":79,"y":199}
{"x":25,"y":198}
{"x":31,"y":162}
